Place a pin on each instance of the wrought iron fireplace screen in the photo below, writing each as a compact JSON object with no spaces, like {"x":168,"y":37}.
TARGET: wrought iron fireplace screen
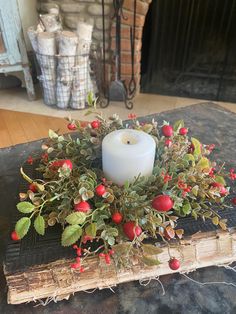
{"x":189,"y":49}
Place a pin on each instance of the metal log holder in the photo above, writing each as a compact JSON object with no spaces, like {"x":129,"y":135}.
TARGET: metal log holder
{"x":117,"y":91}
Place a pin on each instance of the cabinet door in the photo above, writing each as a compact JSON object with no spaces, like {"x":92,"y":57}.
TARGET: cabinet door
{"x":11,"y":33}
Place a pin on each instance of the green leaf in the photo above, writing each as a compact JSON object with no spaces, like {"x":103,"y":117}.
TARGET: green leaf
{"x":50,"y":150}
{"x":76,"y":218}
{"x":126,"y":185}
{"x":178,"y":124}
{"x":197,"y":147}
{"x":70,"y":235}
{"x":39,"y":225}
{"x":113,"y":232}
{"x":195,"y":190}
{"x":111,"y":241}
{"x":220,"y":179}
{"x":150,"y":261}
{"x":91,"y":230}
{"x":90,"y":99}
{"x":147,"y":128}
{"x":22,"y":226}
{"x":189,"y":157}
{"x":52,"y":134}
{"x":215,"y":220}
{"x":25,"y":207}
{"x":150,"y":249}
{"x":186,"y":209}
{"x":203,"y":163}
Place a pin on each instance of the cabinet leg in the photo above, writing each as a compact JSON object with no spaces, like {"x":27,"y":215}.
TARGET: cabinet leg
{"x":29,"y":83}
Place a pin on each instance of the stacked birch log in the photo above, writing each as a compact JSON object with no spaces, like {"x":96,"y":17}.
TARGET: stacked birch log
{"x":63,"y":58}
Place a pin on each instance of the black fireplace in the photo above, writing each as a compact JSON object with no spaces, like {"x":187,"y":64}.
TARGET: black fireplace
{"x":189,"y":49}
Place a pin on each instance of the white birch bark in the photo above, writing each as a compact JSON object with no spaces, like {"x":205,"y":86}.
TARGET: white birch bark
{"x":47,"y":62}
{"x":51,"y":21}
{"x":82,"y":83}
{"x":66,"y":61}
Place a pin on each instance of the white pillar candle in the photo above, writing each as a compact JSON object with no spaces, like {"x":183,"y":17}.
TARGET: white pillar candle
{"x":126,"y":154}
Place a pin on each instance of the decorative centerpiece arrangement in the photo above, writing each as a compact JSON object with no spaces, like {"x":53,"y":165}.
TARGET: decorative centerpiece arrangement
{"x":114,"y":188}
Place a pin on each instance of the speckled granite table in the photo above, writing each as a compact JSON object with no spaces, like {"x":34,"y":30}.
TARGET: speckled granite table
{"x":211,"y":124}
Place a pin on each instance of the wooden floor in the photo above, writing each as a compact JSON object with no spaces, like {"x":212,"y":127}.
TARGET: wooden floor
{"x":19,"y":127}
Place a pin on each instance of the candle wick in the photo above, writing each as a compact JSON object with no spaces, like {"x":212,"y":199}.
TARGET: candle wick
{"x":128,"y":142}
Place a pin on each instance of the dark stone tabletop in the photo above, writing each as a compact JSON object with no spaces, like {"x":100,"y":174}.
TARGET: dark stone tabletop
{"x":211,"y":124}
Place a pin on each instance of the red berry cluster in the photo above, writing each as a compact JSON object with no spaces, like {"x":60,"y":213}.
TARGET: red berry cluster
{"x":132,"y":116}
{"x":184,"y":187}
{"x":210,"y":147}
{"x":232,"y":174}
{"x":166,"y":177}
{"x":55,"y":165}
{"x":223,"y":191}
{"x":212,"y":173}
{"x":77,"y":265}
{"x":30,"y":160}
{"x":107,"y":256}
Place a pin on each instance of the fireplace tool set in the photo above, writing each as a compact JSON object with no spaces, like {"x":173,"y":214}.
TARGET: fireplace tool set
{"x":117,"y":90}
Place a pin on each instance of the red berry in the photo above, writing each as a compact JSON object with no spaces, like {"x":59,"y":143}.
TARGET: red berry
{"x":174,"y":263}
{"x":131,"y":230}
{"x":168,"y":142}
{"x":111,"y":252}
{"x":162,"y":203}
{"x":68,"y":163}
{"x":117,"y":218}
{"x":220,"y":186}
{"x":75,"y":265}
{"x":101,"y":255}
{"x":82,"y":207}
{"x":233,"y":200}
{"x":95,"y":124}
{"x":14,"y":236}
{"x":167,"y":130}
{"x":79,"y":251}
{"x":75,"y":247}
{"x":78,"y":260}
{"x":81,"y":269}
{"x":71,"y":126}
{"x":33,"y":187}
{"x":183,"y":131}
{"x":107,"y":259}
{"x":100,"y":190}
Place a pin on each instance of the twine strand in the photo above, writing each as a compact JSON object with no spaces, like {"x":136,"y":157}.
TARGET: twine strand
{"x":146,"y":282}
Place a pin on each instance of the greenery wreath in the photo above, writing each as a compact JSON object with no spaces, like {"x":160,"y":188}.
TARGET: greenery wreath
{"x":73,"y":192}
